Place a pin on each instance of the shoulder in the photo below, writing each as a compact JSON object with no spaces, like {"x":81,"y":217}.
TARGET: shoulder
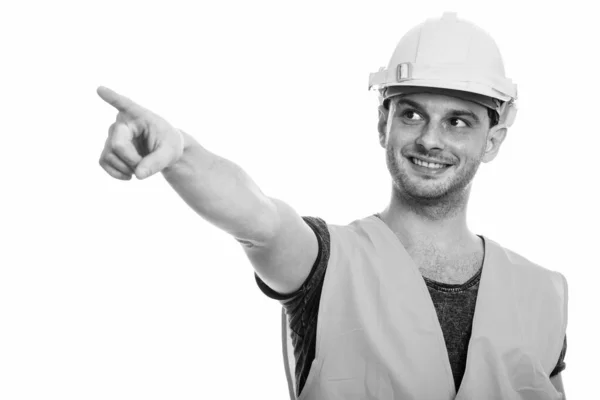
{"x":319,"y":226}
{"x":359,"y":234}
{"x":526,"y":268}
{"x":541,"y":299}
{"x":535,"y":287}
{"x":310,"y":287}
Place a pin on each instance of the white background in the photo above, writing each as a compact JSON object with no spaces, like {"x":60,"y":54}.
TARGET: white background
{"x":117,"y":290}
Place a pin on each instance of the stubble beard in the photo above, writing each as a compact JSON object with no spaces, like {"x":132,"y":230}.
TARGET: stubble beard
{"x":436,"y":198}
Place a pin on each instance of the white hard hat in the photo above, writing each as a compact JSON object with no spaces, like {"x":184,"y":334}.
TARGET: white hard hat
{"x":451,"y":54}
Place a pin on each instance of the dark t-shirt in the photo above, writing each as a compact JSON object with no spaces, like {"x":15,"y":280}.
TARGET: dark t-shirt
{"x":454,"y":304}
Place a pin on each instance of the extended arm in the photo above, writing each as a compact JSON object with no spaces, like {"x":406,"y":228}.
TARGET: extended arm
{"x":280,"y":245}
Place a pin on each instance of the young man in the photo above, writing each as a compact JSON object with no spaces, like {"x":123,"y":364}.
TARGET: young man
{"x":407,"y":303}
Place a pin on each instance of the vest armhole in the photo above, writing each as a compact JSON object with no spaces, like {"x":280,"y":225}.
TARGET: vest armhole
{"x":562,"y":290}
{"x":565,"y":298}
{"x":290,"y":375}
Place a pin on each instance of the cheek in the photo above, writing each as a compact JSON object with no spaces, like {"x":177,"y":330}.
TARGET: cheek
{"x":467,"y":148}
{"x":399,"y":138}
{"x":476,"y":151}
{"x":476,"y":143}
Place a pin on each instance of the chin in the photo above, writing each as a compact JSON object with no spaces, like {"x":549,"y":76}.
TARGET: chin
{"x":427,"y":188}
{"x":411,"y":182}
{"x":423,"y":192}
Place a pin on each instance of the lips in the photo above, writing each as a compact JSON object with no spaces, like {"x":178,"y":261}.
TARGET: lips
{"x":431,"y":165}
{"x":428,"y":165}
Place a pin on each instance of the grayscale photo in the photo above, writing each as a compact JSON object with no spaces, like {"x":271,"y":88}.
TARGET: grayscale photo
{"x":311,"y":201}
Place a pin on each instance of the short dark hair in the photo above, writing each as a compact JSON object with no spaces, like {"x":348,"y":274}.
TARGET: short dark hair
{"x":494,"y":117}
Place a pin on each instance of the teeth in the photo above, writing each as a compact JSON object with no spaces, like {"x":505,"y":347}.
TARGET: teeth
{"x":428,"y":165}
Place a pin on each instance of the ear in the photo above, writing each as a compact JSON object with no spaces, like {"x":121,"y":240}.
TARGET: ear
{"x":495,"y":138}
{"x":382,"y":125}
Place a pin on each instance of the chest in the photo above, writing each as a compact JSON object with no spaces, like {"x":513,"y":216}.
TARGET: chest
{"x":444,"y":266}
{"x":379,"y":336}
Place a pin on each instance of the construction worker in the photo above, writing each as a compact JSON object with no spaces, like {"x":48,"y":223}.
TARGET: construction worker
{"x":407,"y":303}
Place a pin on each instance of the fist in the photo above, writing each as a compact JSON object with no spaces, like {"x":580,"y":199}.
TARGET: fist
{"x":139,"y":142}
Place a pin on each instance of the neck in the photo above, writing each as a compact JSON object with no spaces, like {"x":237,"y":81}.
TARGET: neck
{"x":442,"y":222}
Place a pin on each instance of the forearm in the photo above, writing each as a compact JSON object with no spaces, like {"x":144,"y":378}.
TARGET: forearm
{"x":222,"y":193}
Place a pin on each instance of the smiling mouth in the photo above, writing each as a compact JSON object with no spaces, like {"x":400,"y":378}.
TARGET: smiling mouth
{"x":428,"y":165}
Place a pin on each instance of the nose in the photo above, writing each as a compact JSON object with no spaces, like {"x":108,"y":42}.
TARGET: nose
{"x":430,"y":137}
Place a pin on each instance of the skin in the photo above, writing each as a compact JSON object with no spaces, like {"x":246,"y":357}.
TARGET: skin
{"x":431,"y":210}
{"x":428,"y":210}
{"x":142,"y":143}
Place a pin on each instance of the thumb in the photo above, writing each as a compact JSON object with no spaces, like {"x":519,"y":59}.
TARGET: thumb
{"x":153,"y":163}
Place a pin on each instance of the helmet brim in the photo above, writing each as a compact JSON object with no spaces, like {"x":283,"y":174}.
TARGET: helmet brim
{"x":483,"y":100}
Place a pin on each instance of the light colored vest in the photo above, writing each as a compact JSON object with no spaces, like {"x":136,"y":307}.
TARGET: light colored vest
{"x":379,"y":338}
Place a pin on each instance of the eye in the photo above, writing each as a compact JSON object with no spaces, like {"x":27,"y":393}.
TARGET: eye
{"x":458,"y":123}
{"x":412,"y":115}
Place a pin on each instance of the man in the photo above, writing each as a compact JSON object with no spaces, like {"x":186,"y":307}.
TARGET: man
{"x":407,"y":303}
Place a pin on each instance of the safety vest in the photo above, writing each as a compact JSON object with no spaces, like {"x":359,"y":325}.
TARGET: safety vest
{"x":379,"y":338}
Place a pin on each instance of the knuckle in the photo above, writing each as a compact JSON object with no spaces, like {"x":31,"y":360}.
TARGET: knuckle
{"x":111,"y":129}
{"x":143,"y":122}
{"x":118,"y":146}
{"x":122,"y":117}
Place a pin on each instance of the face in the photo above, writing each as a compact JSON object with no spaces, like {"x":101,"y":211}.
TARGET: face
{"x":434,"y":144}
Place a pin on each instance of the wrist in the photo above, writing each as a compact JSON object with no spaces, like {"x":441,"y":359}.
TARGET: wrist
{"x":185,"y":139}
{"x":190,"y":154}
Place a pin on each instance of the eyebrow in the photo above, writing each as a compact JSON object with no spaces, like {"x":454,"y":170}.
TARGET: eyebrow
{"x":452,"y":113}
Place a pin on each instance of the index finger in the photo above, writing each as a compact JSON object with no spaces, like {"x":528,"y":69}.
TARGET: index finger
{"x":118,"y":101}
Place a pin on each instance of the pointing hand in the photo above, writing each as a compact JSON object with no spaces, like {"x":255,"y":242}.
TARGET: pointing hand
{"x":139,"y":142}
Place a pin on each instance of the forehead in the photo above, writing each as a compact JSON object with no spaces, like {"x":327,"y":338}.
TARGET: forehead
{"x":440,"y":102}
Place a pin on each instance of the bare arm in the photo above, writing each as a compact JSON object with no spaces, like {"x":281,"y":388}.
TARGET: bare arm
{"x":222,"y":193}
{"x":280,"y":245}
